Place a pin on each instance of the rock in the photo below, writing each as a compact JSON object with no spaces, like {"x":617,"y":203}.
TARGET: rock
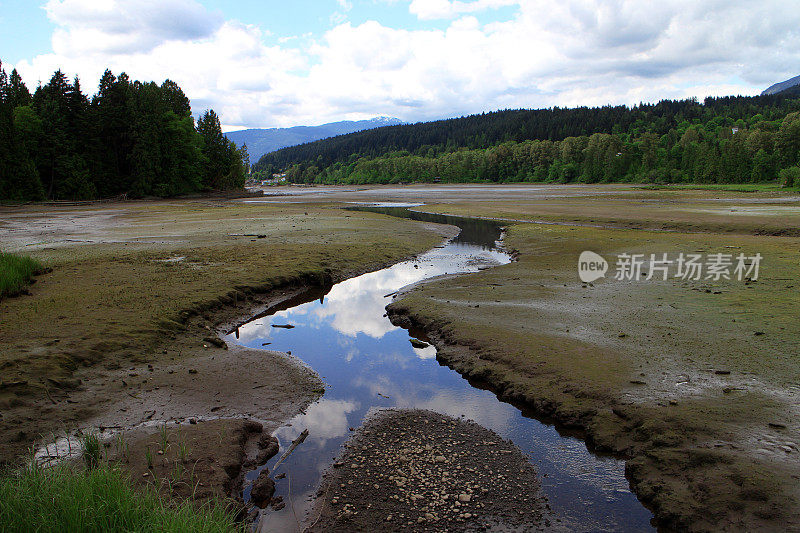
{"x":416,"y":343}
{"x":216,"y":341}
{"x":440,"y":459}
{"x":722,"y":372}
{"x":263,"y":489}
{"x":464,"y":498}
{"x":268,"y":448}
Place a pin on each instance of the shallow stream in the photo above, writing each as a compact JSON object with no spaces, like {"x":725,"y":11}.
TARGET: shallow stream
{"x":368,"y":363}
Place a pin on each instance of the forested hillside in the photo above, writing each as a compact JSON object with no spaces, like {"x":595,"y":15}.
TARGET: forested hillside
{"x":132,"y":138}
{"x":721,"y":140}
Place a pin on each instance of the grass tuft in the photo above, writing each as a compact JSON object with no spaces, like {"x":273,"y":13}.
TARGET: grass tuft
{"x":102,"y":499}
{"x":91,"y":450}
{"x":16,"y":273}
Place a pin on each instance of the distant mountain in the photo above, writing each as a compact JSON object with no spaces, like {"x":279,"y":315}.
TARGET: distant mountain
{"x":262,"y":141}
{"x":782,"y":86}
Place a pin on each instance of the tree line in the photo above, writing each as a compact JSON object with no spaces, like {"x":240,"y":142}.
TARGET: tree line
{"x":721,"y":140}
{"x":131,"y":138}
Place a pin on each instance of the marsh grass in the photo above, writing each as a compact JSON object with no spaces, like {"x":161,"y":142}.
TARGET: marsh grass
{"x":92,"y":451}
{"x":103,"y":499}
{"x":183,"y":451}
{"x":148,"y":455}
{"x":163,"y":439}
{"x":16,"y":273}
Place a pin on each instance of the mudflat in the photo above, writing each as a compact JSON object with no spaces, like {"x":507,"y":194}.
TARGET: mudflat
{"x":695,"y":381}
{"x":125,"y":329}
{"x":692,"y":381}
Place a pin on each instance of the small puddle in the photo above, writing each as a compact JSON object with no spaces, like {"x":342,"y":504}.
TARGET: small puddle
{"x":368,"y":363}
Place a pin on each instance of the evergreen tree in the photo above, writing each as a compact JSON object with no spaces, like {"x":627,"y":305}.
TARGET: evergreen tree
{"x":223,"y":161}
{"x":134,"y":138}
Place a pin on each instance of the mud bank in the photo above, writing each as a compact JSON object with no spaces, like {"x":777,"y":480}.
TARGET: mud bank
{"x":666,"y":480}
{"x":125,"y":332}
{"x":708,"y":433}
{"x":200,"y":462}
{"x":415,"y":470}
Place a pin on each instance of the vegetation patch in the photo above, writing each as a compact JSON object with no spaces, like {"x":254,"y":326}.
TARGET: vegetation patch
{"x":61,"y":498}
{"x":16,"y":273}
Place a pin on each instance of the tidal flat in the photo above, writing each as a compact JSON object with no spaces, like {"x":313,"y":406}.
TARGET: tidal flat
{"x":692,"y":382}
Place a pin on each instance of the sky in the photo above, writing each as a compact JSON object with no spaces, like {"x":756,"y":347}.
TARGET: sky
{"x":266,"y":63}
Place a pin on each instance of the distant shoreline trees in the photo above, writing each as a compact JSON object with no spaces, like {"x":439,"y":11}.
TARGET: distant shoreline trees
{"x":132,"y":138}
{"x":721,"y":140}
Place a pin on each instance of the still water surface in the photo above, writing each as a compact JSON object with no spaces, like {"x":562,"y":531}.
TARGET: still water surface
{"x":367,"y":363}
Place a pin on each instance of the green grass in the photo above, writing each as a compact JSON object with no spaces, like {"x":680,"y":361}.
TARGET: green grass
{"x":16,"y":273}
{"x":102,"y":499}
{"x":91,"y":451}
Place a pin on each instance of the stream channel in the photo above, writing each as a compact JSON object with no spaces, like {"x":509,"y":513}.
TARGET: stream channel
{"x":367,"y":363}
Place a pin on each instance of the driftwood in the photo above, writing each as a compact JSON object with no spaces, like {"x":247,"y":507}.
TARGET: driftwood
{"x":295,"y":443}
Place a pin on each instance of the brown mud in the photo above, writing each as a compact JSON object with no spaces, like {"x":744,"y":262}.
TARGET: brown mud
{"x":201,"y":462}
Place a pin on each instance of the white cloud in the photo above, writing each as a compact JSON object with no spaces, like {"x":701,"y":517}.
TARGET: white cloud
{"x":120,"y":26}
{"x":573,"y":52}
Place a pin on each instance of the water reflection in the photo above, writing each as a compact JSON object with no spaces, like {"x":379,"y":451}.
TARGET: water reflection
{"x":368,"y":363}
{"x":327,"y":417}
